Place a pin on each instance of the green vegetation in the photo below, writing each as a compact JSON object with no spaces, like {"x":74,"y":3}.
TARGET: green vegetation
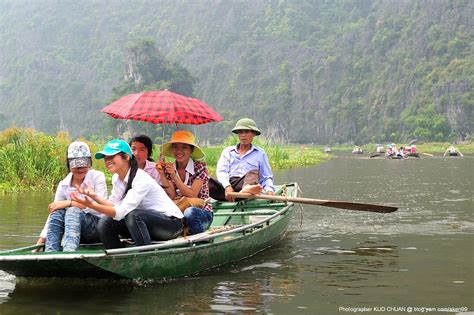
{"x":306,"y":71}
{"x":32,"y":160}
{"x":35,"y":161}
{"x":439,"y":148}
{"x":280,"y":157}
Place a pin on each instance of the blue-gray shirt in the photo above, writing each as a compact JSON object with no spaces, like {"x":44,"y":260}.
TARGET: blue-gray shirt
{"x":231,"y":164}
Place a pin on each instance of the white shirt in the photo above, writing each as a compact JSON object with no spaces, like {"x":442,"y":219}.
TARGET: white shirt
{"x":150,"y":168}
{"x":145,"y":194}
{"x":97,"y":181}
{"x":189,"y":170}
{"x":232,"y":164}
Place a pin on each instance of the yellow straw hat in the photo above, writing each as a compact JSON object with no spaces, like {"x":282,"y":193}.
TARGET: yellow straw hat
{"x":183,"y":136}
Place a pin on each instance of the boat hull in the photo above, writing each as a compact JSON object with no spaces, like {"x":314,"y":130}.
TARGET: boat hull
{"x":192,"y":260}
{"x":171,"y":259}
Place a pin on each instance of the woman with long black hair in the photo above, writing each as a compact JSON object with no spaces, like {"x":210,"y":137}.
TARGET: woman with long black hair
{"x":137,"y":207}
{"x":142,"y":149}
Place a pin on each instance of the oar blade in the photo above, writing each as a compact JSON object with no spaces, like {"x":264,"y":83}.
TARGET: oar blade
{"x":359,"y":206}
{"x":326,"y":203}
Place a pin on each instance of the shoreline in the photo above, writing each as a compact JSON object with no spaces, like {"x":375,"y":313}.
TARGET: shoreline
{"x":33,"y":161}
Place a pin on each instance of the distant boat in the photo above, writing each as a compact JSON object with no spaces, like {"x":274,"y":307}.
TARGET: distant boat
{"x":357,"y":150}
{"x":452,"y":151}
{"x":379,"y":148}
{"x":327,"y":150}
{"x":411,"y":151}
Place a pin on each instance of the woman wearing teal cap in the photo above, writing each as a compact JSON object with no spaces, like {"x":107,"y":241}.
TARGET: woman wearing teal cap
{"x":137,"y":207}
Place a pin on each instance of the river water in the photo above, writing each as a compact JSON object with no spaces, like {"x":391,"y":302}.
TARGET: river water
{"x":332,"y":261}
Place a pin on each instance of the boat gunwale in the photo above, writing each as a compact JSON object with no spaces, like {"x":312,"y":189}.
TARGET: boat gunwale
{"x":189,"y":241}
{"x":201,"y":238}
{"x":15,"y":254}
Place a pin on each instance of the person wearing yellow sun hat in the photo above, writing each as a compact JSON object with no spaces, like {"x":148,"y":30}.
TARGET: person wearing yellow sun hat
{"x":187,"y":177}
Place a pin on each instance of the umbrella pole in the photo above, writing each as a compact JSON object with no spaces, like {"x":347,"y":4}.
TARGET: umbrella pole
{"x":162,"y":157}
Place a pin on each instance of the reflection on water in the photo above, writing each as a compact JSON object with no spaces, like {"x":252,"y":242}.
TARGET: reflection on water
{"x":419,"y":255}
{"x":7,"y":286}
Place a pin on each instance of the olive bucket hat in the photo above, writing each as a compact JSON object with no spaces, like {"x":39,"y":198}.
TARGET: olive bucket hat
{"x":246,"y":124}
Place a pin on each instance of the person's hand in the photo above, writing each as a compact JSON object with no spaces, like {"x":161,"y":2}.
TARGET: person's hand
{"x":160,"y":167}
{"x":40,"y":241}
{"x":255,"y":189}
{"x":86,"y":201}
{"x":270,"y":193}
{"x":62,"y":204}
{"x":229,"y":198}
{"x":87,"y":190}
{"x":169,"y":169}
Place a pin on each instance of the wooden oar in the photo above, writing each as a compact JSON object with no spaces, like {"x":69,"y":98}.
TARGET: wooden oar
{"x":427,"y":154}
{"x":375,"y":155}
{"x":326,"y":203}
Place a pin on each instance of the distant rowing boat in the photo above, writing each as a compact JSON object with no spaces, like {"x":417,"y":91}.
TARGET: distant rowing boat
{"x":413,"y":155}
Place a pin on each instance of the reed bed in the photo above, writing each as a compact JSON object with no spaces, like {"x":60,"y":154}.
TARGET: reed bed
{"x":31,"y":160}
{"x":34,"y":161}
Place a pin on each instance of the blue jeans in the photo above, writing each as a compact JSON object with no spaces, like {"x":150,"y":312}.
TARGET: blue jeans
{"x":72,"y":224}
{"x":197,"y":220}
{"x":143,"y":226}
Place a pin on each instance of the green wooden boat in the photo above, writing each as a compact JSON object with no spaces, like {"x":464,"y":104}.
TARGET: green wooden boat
{"x":239,"y":230}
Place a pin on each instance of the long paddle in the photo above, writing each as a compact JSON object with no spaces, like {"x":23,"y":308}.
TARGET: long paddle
{"x":326,"y":203}
{"x":427,"y":154}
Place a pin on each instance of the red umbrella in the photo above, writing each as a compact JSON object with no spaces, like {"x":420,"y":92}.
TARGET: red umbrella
{"x":163,"y":107}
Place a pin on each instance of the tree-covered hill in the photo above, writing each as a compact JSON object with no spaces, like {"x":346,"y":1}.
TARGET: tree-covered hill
{"x":307,"y":71}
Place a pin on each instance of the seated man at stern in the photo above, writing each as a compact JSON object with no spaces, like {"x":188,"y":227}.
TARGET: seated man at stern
{"x":244,"y":167}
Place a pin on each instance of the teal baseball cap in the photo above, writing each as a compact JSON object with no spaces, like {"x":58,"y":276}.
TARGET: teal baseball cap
{"x":113,"y":147}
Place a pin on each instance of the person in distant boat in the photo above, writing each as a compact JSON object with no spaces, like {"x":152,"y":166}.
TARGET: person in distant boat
{"x":187,"y":177}
{"x":138,"y":207}
{"x":401,"y":152}
{"x":142,"y":150}
{"x":452,"y":151}
{"x":243,"y":167}
{"x":71,"y":221}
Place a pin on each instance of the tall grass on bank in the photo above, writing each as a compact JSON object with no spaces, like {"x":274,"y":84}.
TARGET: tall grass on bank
{"x":31,"y":160}
{"x":280,"y":157}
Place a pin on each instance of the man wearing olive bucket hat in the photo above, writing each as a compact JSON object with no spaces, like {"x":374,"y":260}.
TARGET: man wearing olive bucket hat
{"x":243,"y":167}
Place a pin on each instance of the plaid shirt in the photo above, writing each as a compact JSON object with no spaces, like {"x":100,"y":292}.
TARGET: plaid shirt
{"x":195,"y":170}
